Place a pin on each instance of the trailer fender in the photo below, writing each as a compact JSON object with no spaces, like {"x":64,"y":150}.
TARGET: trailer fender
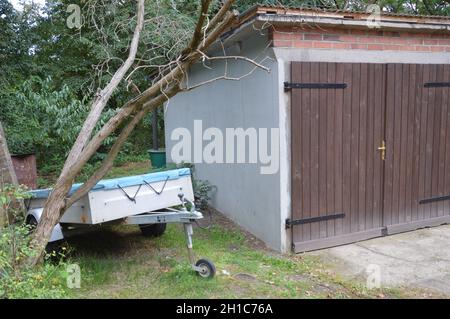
{"x":57,"y":231}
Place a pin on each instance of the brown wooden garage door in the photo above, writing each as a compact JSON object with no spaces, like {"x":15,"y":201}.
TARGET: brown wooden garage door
{"x":343,"y":190}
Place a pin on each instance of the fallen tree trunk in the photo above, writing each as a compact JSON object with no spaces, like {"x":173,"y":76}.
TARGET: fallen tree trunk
{"x":84,"y":148}
{"x":7,"y":175}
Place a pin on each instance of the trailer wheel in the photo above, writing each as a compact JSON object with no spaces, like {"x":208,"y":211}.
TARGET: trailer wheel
{"x":153,"y":230}
{"x":32,"y":223}
{"x":207,"y":268}
{"x":52,"y":246}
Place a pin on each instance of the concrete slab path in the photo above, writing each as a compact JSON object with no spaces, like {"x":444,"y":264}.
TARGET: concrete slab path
{"x":419,"y":259}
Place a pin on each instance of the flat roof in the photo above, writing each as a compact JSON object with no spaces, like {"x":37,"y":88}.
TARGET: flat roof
{"x":278,"y":15}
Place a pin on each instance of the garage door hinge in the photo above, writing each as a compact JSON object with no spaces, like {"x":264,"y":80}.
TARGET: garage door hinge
{"x":293,"y":222}
{"x":289,"y":86}
{"x":437,"y":84}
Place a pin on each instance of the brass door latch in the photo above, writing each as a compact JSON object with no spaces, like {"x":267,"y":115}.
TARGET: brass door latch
{"x":382,"y":149}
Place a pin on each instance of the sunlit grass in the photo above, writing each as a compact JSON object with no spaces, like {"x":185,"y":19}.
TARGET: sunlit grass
{"x":117,"y":262}
{"x":159,"y":268}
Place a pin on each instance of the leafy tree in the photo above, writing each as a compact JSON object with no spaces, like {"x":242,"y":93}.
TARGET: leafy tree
{"x":16,"y":42}
{"x":423,"y":7}
{"x":52,"y":118}
{"x":46,"y":115}
{"x":38,"y":42}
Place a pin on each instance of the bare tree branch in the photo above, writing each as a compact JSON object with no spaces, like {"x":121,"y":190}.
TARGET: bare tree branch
{"x":178,"y":71}
{"x":165,"y":86}
{"x":235,"y":57}
{"x":112,"y":154}
{"x":231,"y":78}
{"x":220,"y":15}
{"x":174,"y":76}
{"x":198,"y":34}
{"x":346,"y":5}
{"x":215,"y":34}
{"x":102,"y":98}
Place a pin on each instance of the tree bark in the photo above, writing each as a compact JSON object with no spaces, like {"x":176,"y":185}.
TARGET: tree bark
{"x":167,"y":86}
{"x":103,"y":96}
{"x":55,"y":205}
{"x":7,"y":176}
{"x":109,"y":160}
{"x":155,"y":137}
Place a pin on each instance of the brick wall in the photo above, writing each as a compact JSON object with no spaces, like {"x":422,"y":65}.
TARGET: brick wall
{"x":339,"y":39}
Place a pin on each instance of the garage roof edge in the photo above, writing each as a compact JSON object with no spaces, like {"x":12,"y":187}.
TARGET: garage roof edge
{"x":281,"y":16}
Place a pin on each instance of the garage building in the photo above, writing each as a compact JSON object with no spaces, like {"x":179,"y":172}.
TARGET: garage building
{"x":362,"y":107}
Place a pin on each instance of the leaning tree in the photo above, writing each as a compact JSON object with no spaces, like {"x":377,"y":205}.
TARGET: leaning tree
{"x":213,"y":20}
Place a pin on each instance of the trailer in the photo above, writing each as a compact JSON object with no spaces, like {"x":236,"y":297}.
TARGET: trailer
{"x":150,"y":201}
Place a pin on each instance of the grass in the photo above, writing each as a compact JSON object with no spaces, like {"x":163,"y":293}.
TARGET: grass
{"x":125,"y":166}
{"x":133,"y":168}
{"x":118,"y":262}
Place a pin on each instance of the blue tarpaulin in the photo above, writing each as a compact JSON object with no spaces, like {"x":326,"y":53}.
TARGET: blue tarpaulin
{"x":109,"y":184}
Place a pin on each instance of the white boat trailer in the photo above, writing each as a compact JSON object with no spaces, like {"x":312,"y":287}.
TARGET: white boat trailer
{"x":157,"y":199}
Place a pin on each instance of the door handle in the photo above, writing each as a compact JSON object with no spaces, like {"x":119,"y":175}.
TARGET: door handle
{"x":383,"y":149}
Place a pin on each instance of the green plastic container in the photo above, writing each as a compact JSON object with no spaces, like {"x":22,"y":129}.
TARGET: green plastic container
{"x":158,"y":158}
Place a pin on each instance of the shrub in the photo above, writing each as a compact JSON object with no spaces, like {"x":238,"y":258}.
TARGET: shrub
{"x":202,"y":192}
{"x":43,"y":281}
{"x":16,"y":281}
{"x":40,"y":118}
{"x":203,"y":189}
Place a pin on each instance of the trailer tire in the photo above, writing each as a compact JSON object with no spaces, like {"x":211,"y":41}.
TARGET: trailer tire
{"x":32,"y":223}
{"x":52,"y":247}
{"x":153,"y":230}
{"x":208,"y":270}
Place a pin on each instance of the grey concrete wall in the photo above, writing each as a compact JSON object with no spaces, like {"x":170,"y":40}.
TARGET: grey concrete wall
{"x":243,"y":193}
{"x":259,"y":203}
{"x":284,"y":75}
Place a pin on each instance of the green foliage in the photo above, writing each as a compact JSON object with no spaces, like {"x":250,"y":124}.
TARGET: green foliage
{"x":243,"y":5}
{"x":423,"y":7}
{"x":17,"y":38}
{"x":202,"y":191}
{"x":50,"y":72}
{"x":45,"y":119}
{"x":9,"y":193}
{"x":39,"y":118}
{"x":158,"y":268}
{"x":44,"y":281}
{"x":17,"y":281}
{"x":86,"y":58}
{"x":53,"y":72}
{"x":147,"y":127}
